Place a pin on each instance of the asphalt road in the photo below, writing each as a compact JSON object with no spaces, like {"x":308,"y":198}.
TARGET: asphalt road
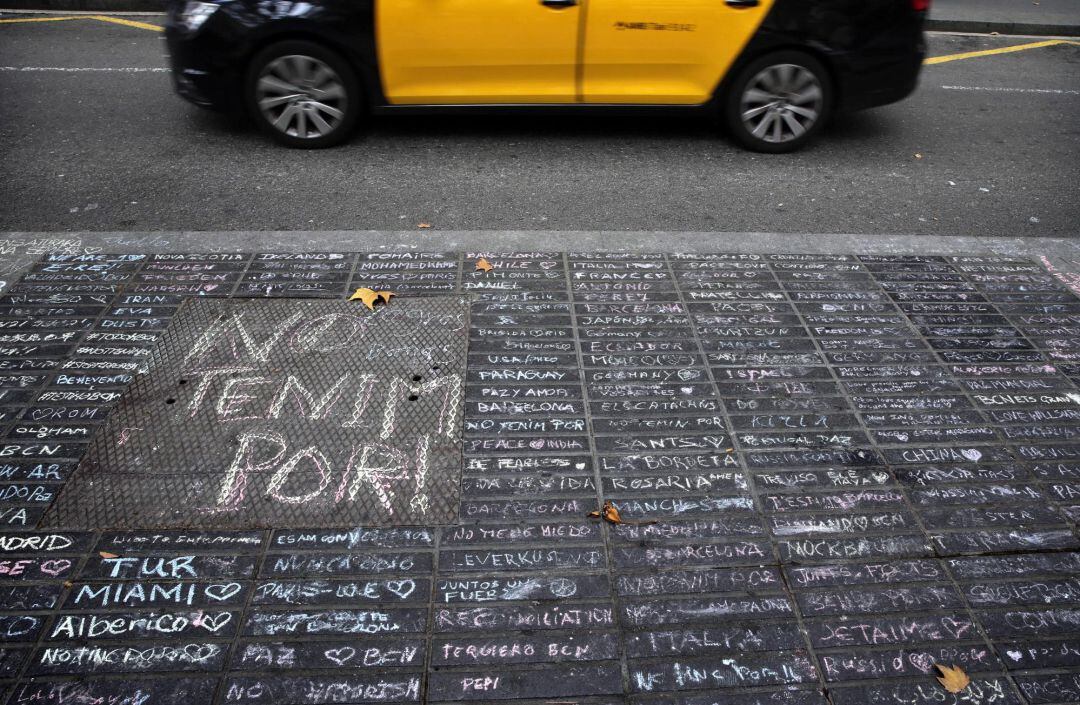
{"x":110,"y":150}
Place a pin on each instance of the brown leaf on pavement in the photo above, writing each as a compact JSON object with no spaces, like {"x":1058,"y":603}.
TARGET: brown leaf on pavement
{"x":424,"y":226}
{"x":952,"y":678}
{"x":106,"y":554}
{"x":483,"y":265}
{"x":610,"y":514}
{"x":369,"y":297}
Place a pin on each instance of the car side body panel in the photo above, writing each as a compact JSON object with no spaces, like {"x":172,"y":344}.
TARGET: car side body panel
{"x":466,"y":51}
{"x":669,"y":53}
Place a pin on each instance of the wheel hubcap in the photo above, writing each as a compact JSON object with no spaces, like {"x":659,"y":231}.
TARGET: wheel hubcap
{"x":781,"y":103}
{"x":301,"y":96}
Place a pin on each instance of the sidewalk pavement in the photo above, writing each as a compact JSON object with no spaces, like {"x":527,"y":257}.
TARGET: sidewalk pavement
{"x":836,"y":471}
{"x":1044,"y":17}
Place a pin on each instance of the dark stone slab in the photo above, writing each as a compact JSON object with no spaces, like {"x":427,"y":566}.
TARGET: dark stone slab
{"x":345,"y":592}
{"x":333,"y":654}
{"x":524,"y":649}
{"x":167,"y":691}
{"x":659,"y":613}
{"x":756,"y":579}
{"x":534,"y":589}
{"x":1050,"y":688}
{"x":97,"y":659}
{"x":891,"y":630}
{"x":865,"y":573}
{"x":551,"y":682}
{"x":736,"y":672}
{"x":341,"y":564}
{"x":157,"y":594}
{"x":569,"y":615}
{"x":911,"y":663}
{"x":315,"y":690}
{"x":983,"y":691}
{"x":359,"y":622}
{"x":164,"y":624}
{"x":877,"y":600}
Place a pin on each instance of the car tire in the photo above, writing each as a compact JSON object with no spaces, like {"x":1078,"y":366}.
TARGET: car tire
{"x":779,"y":102}
{"x":303,"y":94}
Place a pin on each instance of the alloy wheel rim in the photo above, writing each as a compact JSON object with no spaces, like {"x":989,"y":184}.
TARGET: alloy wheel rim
{"x":781,"y":103}
{"x":301,"y":96}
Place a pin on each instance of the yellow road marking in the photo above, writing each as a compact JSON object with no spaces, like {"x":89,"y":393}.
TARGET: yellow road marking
{"x":99,"y":18}
{"x":38,"y":19}
{"x":127,"y":23}
{"x":1002,"y":50}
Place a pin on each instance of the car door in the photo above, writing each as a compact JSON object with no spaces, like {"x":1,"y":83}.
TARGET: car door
{"x":478,"y":51}
{"x":664,"y":51}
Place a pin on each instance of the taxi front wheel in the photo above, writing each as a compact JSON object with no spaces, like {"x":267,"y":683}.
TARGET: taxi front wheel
{"x":303,"y":95}
{"x":778,"y":102}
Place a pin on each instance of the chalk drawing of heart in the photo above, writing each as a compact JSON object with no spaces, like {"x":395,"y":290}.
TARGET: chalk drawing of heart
{"x":342,"y":655}
{"x":222,"y":592}
{"x":687,"y":390}
{"x":55,"y":567}
{"x":956,"y":627}
{"x":213,"y":624}
{"x":923,"y":662}
{"x":401,"y":588}
{"x":1015,"y":655}
{"x":971,"y":454}
{"x":538,"y":444}
{"x":548,"y":265}
{"x":198,"y":653}
{"x":561,"y":587}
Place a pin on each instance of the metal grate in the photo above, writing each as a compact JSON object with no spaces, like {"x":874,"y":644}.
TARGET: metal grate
{"x":276,"y":413}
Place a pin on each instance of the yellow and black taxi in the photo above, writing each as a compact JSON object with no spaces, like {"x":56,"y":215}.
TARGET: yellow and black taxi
{"x":772,"y":70}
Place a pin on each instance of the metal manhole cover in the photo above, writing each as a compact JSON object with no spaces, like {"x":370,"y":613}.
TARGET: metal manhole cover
{"x":257,"y":413}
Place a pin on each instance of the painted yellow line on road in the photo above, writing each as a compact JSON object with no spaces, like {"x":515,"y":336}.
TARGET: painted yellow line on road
{"x":38,"y":19}
{"x":127,"y":23}
{"x":99,"y":18}
{"x":1001,"y":50}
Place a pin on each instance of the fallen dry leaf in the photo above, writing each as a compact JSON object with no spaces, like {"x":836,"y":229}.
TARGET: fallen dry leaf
{"x":424,"y":226}
{"x":610,"y":514}
{"x":106,"y":554}
{"x":68,"y":583}
{"x":918,"y":156}
{"x":483,"y":265}
{"x":369,"y":296}
{"x":952,"y":678}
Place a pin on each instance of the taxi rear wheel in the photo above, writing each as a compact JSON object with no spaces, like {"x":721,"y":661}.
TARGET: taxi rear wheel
{"x":303,"y":95}
{"x":779,"y":102}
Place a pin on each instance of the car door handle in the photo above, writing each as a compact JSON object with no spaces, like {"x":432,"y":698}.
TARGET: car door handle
{"x":558,"y":4}
{"x":742,"y":3}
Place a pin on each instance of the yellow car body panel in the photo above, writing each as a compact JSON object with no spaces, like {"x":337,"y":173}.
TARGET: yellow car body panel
{"x":675,"y":52}
{"x":672,"y":52}
{"x":442,"y":52}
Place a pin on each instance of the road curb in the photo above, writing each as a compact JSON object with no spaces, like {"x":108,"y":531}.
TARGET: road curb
{"x":977,"y":27}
